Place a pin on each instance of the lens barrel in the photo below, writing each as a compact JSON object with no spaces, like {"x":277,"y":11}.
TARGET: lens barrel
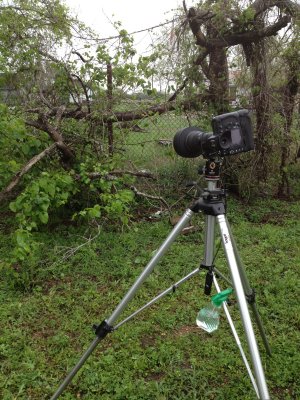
{"x":188,"y":142}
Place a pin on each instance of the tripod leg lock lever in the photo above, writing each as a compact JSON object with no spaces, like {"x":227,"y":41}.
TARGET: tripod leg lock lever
{"x":102,"y":329}
{"x":251,"y":297}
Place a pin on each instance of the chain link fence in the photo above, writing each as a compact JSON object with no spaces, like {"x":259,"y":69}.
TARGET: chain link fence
{"x":147,"y":144}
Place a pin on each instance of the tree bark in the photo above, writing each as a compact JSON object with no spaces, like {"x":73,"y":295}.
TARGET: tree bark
{"x":261,"y":104}
{"x":42,"y":123}
{"x":289,"y":96}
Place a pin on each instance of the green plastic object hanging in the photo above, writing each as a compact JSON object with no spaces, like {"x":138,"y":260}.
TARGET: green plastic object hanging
{"x":208,"y":317}
{"x":219,"y":298}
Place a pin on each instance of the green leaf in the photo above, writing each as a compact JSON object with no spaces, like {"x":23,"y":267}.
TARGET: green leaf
{"x":12,"y":206}
{"x":94,"y":212}
{"x":44,"y":217}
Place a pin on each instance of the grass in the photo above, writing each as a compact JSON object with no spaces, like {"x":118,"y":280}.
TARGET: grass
{"x":160,"y":354}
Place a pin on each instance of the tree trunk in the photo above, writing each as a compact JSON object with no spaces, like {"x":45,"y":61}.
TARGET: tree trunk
{"x":261,"y":104}
{"x":219,"y":81}
{"x":289,"y":94}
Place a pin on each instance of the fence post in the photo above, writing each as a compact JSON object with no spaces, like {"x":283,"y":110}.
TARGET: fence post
{"x":110,"y":132}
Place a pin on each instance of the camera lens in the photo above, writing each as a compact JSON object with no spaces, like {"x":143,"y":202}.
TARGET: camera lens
{"x":189,"y":142}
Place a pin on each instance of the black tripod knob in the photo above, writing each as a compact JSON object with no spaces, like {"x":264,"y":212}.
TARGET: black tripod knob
{"x":208,"y":282}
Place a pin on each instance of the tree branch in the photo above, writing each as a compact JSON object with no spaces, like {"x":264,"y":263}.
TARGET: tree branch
{"x":121,"y":116}
{"x":249,"y":37}
{"x":43,"y":124}
{"x":197,"y":18}
{"x":149,"y":196}
{"x":15,"y":181}
{"x":262,"y":5}
{"x":181,"y":87}
{"x":85,"y":92}
{"x":112,"y":174}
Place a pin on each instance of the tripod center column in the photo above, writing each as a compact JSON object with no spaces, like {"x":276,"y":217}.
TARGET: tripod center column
{"x":209,"y":238}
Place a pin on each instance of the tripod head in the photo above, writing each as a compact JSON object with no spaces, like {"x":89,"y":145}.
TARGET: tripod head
{"x":211,"y":170}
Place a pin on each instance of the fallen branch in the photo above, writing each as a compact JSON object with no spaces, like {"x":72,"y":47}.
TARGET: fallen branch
{"x":70,"y":251}
{"x":142,"y":173}
{"x":43,"y":124}
{"x":149,"y":196}
{"x":112,"y":174}
{"x":120,"y":116}
{"x":24,"y":170}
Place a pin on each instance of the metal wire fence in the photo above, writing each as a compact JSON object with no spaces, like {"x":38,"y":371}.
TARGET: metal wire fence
{"x":148,"y":145}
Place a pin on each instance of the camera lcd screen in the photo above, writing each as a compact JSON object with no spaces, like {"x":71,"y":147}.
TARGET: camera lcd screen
{"x":235,"y":136}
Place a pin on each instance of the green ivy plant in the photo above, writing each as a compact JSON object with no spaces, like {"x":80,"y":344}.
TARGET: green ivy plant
{"x":112,"y":200}
{"x":32,"y":207}
{"x":108,"y":199}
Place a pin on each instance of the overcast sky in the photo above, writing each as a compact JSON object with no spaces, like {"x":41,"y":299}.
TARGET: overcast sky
{"x":135,"y":15}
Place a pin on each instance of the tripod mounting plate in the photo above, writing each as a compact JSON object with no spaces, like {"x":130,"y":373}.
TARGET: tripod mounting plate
{"x":210,"y":203}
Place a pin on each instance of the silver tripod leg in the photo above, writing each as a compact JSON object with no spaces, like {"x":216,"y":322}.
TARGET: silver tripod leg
{"x":249,"y":292}
{"x":237,"y":339}
{"x":208,"y":261}
{"x":150,"y":266}
{"x":110,"y":321}
{"x":239,"y":290}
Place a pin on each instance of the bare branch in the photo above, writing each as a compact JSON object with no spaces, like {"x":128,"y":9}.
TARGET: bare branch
{"x":85,"y":91}
{"x":181,"y":87}
{"x":149,"y":196}
{"x":59,"y":116}
{"x":113,"y":174}
{"x":79,"y":55}
{"x":79,"y":113}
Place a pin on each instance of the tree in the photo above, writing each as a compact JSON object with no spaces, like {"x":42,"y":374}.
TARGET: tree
{"x":53,"y":93}
{"x":217,"y":27}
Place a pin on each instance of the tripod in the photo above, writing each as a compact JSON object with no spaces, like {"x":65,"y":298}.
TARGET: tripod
{"x":211,"y":203}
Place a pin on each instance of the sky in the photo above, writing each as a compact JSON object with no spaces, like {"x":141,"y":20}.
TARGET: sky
{"x":135,"y":15}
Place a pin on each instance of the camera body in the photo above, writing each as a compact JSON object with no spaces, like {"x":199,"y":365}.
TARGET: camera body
{"x":232,"y":134}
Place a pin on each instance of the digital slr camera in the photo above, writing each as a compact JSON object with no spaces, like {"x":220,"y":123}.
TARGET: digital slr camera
{"x":232,"y":134}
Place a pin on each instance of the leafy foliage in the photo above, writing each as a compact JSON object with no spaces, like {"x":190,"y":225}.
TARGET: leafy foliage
{"x":29,"y":28}
{"x":33,"y":205}
{"x":112,"y":199}
{"x":51,"y":192}
{"x":17,"y":144}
